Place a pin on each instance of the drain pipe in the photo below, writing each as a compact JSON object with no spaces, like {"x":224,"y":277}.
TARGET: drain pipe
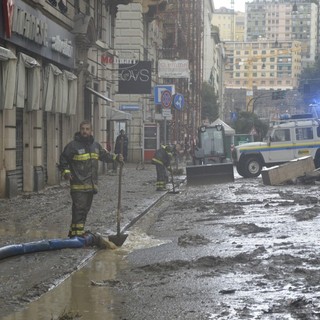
{"x":47,"y":245}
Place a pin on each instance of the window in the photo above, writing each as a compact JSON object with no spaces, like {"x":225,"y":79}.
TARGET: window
{"x":281,"y":135}
{"x":304,"y":133}
{"x":98,"y":18}
{"x":150,"y":138}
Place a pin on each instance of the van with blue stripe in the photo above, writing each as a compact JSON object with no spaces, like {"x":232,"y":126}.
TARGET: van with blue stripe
{"x":286,"y":140}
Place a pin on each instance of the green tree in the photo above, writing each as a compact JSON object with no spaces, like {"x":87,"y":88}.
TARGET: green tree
{"x":210,"y":107}
{"x":248,"y":120}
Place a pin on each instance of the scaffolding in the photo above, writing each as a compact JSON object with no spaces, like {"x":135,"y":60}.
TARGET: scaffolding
{"x":183,"y":39}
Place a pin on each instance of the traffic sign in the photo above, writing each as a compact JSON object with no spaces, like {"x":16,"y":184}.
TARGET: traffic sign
{"x":178,"y":101}
{"x":159,"y":89}
{"x":166,"y":99}
{"x":166,"y":113}
{"x":253,"y":131}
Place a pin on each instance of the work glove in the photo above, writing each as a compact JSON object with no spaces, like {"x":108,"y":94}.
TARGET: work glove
{"x":119,"y":158}
{"x":67,"y":176}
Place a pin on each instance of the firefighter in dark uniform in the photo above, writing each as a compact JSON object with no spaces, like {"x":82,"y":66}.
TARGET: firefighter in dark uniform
{"x":162,"y":160}
{"x":79,"y":165}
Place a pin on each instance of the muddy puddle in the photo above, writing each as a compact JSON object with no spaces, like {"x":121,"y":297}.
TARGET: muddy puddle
{"x":87,"y":293}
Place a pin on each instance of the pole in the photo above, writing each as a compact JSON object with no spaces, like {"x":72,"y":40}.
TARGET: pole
{"x":165,"y":130}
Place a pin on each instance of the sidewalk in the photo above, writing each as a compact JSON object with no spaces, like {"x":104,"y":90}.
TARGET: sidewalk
{"x":47,"y":214}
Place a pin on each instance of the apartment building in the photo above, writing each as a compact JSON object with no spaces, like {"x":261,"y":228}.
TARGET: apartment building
{"x":255,"y":69}
{"x":283,"y":20}
{"x":231,"y":24}
{"x":263,"y":65}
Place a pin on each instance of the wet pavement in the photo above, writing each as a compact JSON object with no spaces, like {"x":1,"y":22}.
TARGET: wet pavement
{"x":232,"y":251}
{"x":47,"y":215}
{"x":235,"y":251}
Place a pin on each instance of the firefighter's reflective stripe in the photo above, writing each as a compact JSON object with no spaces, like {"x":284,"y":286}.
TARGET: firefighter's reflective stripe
{"x":76,"y":229}
{"x":161,"y":185}
{"x":83,"y":186}
{"x":85,"y":156}
{"x":156,"y":161}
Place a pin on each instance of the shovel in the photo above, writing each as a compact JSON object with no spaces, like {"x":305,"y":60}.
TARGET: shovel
{"x":173,"y":191}
{"x":119,"y":238}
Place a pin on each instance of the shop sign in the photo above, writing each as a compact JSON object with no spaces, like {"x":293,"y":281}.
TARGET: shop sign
{"x":135,"y":78}
{"x":129,"y":107}
{"x":29,"y":26}
{"x":62,"y":46}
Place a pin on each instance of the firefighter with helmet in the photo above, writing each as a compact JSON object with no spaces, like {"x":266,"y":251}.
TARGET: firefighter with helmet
{"x":79,"y":164}
{"x":161,"y":160}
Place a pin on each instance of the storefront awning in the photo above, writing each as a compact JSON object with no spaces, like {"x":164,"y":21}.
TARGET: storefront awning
{"x":117,"y":115}
{"x":98,"y":94}
{"x":112,"y":114}
{"x":6,"y":54}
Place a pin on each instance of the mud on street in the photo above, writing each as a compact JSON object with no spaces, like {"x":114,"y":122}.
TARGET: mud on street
{"x":240,"y":250}
{"x":235,"y":251}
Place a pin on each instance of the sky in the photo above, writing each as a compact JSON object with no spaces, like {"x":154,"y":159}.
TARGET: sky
{"x":238,"y":4}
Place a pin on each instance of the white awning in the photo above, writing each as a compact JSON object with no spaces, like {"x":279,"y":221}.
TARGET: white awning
{"x":117,"y":115}
{"x":6,"y":54}
{"x":98,"y":94}
{"x":112,"y":113}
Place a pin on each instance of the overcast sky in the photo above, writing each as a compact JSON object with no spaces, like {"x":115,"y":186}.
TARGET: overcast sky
{"x":238,"y":4}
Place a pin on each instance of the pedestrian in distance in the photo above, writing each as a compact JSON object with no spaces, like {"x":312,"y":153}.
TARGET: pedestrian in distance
{"x":121,"y":147}
{"x":79,"y":164}
{"x":161,"y":160}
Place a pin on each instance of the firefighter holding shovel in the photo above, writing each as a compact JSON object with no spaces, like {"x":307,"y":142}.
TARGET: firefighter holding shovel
{"x":79,"y":165}
{"x":162,"y":160}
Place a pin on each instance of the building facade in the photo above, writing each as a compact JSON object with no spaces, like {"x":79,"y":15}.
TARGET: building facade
{"x":283,"y":20}
{"x":65,"y":61}
{"x":50,"y":81}
{"x":231,"y":24}
{"x":255,"y":69}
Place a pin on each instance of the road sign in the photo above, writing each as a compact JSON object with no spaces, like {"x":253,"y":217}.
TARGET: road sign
{"x":159,"y":89}
{"x":166,"y":99}
{"x":166,"y":113}
{"x":253,"y":131}
{"x":178,"y":101}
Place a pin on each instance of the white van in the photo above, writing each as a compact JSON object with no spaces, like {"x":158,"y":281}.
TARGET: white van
{"x":286,"y":140}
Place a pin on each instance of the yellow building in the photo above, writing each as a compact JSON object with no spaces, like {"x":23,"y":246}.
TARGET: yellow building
{"x":263,"y":64}
{"x":231,"y":24}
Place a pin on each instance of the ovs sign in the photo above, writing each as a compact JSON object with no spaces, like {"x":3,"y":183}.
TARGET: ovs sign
{"x":135,"y":78}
